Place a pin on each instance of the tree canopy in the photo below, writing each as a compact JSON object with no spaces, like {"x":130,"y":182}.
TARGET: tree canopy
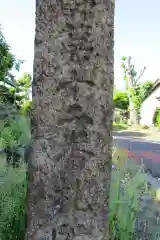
{"x":12,"y":91}
{"x":14,"y":96}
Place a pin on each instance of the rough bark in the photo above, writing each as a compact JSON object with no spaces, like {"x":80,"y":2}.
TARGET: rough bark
{"x":134,"y":116}
{"x":70,"y":165}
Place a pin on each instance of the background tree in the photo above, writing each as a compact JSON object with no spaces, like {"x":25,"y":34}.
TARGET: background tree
{"x":139,"y":94}
{"x":14,"y":99}
{"x":132,"y":79}
{"x":146,"y":88}
{"x":8,"y":62}
{"x":121,"y":99}
{"x":18,"y":96}
{"x":70,"y":170}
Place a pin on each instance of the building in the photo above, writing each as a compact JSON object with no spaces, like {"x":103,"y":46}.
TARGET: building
{"x":150,"y":105}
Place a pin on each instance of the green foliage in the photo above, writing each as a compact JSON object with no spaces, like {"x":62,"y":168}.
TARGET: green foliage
{"x":124,"y":58}
{"x":15,"y":131}
{"x":156,"y":118}
{"x":127,"y":185}
{"x":13,"y":187}
{"x":121,"y":100}
{"x":26,"y":108}
{"x":24,"y":82}
{"x":145,"y":89}
{"x":6,"y":58}
{"x":7,"y":62}
{"x":12,"y":92}
{"x":136,"y":91}
{"x":23,"y":85}
{"x":18,"y":94}
{"x":138,"y":95}
{"x":7,"y":95}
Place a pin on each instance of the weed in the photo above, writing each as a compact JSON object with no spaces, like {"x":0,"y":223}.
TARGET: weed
{"x":12,"y":203}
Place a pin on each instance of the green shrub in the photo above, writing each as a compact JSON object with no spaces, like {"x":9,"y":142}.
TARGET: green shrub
{"x":121,"y":100}
{"x":14,"y":132}
{"x":156,"y":118}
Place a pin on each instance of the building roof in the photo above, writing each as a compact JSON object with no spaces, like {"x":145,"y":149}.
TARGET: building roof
{"x":156,"y":84}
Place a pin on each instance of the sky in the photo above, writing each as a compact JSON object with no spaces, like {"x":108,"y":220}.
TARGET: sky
{"x":137,"y":34}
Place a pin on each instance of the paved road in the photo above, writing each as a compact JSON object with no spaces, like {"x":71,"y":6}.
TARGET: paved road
{"x":138,"y":149}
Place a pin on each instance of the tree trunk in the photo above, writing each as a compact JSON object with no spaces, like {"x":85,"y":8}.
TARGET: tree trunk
{"x":133,"y":116}
{"x":70,"y":165}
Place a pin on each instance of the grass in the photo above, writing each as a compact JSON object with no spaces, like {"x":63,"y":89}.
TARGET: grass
{"x":126,"y":186}
{"x":119,"y":126}
{"x":12,"y":202}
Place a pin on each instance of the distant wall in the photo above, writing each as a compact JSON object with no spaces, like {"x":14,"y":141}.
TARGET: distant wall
{"x":148,"y":108}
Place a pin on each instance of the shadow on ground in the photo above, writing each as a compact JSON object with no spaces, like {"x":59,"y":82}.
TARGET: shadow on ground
{"x":119,"y":127}
{"x":129,"y":134}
